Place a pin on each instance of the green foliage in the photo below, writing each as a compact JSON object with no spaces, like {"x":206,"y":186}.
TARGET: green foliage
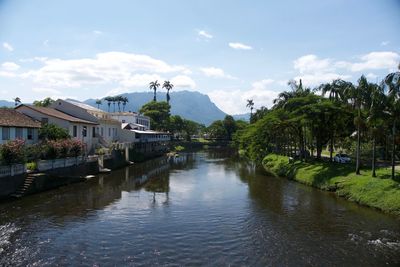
{"x":158,"y":112}
{"x":44,"y":103}
{"x":53,"y":132}
{"x":179,"y":148}
{"x":381,"y":192}
{"x":32,"y":166}
{"x":54,"y":149}
{"x":13,"y":152}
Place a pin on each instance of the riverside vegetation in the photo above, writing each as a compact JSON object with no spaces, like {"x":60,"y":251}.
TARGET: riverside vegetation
{"x":358,"y":119}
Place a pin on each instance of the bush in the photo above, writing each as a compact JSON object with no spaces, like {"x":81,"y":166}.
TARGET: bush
{"x":13,"y":152}
{"x":62,"y":148}
{"x":31,"y":166}
{"x":53,"y":132}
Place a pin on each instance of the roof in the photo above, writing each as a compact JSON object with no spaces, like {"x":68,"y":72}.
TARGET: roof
{"x":124,"y":113}
{"x":148,"y":132}
{"x":83,"y":105}
{"x":57,"y":114}
{"x":13,"y":118}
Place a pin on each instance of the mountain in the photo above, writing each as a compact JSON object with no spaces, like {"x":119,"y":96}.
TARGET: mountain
{"x":245,"y":117}
{"x":5,"y":103}
{"x":187,"y":104}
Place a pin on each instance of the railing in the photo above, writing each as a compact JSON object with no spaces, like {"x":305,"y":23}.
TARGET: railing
{"x":45,"y":165}
{"x":12,"y":170}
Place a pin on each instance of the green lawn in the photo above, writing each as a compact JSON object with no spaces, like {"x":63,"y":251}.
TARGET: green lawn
{"x":382,"y":192}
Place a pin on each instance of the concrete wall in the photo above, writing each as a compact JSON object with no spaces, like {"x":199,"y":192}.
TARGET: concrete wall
{"x":10,"y":184}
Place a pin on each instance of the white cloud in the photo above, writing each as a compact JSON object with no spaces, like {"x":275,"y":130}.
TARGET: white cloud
{"x":46,"y":90}
{"x":183,"y":81}
{"x":315,"y":79}
{"x":204,"y":34}
{"x":240,"y":46}
{"x":140,"y":80}
{"x":215,"y":73}
{"x":109,"y":67}
{"x":10,"y":66}
{"x":234,"y":101}
{"x":372,"y":76}
{"x":376,"y":60}
{"x":46,"y":43}
{"x":384,"y":43}
{"x":8,"y":47}
{"x":311,"y":63}
{"x":97,"y":32}
{"x":7,"y":74}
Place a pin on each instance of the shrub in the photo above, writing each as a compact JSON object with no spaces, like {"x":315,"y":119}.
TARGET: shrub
{"x":76,"y":148}
{"x":13,"y":152}
{"x":31,"y":166}
{"x":53,"y":132}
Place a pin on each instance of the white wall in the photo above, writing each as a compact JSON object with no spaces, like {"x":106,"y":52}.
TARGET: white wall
{"x":24,"y":135}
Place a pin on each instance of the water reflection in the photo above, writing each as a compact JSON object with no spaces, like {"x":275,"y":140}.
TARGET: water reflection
{"x":203,"y":208}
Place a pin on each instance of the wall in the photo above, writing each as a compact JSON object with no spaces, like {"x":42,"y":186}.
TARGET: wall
{"x":24,"y":135}
{"x":10,"y":184}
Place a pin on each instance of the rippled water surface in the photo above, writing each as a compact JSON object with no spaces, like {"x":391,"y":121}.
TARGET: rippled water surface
{"x":200,"y":209}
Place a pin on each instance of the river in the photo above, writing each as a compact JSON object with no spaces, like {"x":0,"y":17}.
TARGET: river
{"x":201,"y":209}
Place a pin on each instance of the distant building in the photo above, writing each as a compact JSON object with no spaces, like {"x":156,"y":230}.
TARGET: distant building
{"x":140,"y":121}
{"x":15,"y":125}
{"x":77,"y":128}
{"x":108,"y":129}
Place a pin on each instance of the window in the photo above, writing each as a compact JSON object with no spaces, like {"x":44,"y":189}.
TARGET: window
{"x":84,"y":131}
{"x":30,"y":134}
{"x":6,"y":133}
{"x":109,"y":131}
{"x":94,"y":132}
{"x":102,"y":131}
{"x":19,"y":133}
{"x":75,"y":131}
{"x":123,"y":121}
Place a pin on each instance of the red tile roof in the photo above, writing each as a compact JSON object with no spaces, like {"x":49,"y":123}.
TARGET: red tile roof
{"x":12,"y":118}
{"x":56,"y":114}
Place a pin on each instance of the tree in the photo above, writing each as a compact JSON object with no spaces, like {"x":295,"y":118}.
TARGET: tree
{"x":98,"y":103}
{"x":250,"y":104}
{"x":17,"y":101}
{"x":109,"y":100}
{"x":168,"y":86}
{"x":158,"y":112}
{"x":124,"y":101}
{"x":392,"y":81}
{"x":154,"y":86}
{"x":119,"y":100}
{"x":43,"y":103}
{"x":230,"y":126}
{"x":53,"y":132}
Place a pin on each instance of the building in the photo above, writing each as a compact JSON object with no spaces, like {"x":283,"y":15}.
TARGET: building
{"x":140,"y":121}
{"x":107,"y":130}
{"x":14,"y":125}
{"x":77,"y":128}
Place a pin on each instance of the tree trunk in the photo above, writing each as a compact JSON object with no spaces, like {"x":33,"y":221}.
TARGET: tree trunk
{"x":373,"y":156}
{"x":394,"y":150}
{"x":331,"y":148}
{"x":358,"y":144}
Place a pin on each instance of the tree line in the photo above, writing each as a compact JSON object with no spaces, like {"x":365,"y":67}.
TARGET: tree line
{"x":360,"y":118}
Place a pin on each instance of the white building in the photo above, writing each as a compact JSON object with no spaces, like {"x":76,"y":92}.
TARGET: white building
{"x":77,"y":128}
{"x":108,"y":129}
{"x":14,"y":125}
{"x":139,"y":121}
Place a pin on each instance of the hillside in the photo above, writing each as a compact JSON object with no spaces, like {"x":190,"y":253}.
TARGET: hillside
{"x":188,"y":104}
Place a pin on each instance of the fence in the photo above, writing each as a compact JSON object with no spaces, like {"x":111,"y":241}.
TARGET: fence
{"x":45,"y":165}
{"x":12,"y":170}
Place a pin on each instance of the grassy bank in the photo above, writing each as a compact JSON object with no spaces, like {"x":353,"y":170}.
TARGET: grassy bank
{"x":381,"y":192}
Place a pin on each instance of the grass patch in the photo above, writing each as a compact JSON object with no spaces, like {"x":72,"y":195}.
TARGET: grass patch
{"x":381,"y":192}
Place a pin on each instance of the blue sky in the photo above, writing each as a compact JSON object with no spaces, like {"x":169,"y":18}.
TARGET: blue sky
{"x":230,"y":50}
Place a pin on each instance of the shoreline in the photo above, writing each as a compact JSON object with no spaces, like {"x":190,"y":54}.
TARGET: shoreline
{"x":381,"y":193}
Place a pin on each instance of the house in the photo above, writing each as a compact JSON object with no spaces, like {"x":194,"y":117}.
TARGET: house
{"x":107,"y":130}
{"x":142,"y":122}
{"x":77,"y":128}
{"x":14,"y":125}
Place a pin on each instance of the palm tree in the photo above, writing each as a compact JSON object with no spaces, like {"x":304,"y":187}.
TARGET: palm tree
{"x":376,"y":119}
{"x":153,"y":86}
{"x":113,"y":100}
{"x":124,"y":101}
{"x":119,"y":99}
{"x":336,"y":89}
{"x":98,"y":103}
{"x":250,"y":104}
{"x":168,"y":86}
{"x":17,"y":101}
{"x":392,"y":81}
{"x":109,"y":100}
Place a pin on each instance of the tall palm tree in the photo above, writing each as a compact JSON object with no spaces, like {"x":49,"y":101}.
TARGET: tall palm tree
{"x":124,"y":101}
{"x":392,"y":81}
{"x":17,"y":101}
{"x":154,"y":86}
{"x":119,"y":99}
{"x":336,"y":89}
{"x":376,"y":118}
{"x":250,"y":104}
{"x":168,"y":86}
{"x":109,"y":100}
{"x":113,"y":100}
{"x":98,"y":103}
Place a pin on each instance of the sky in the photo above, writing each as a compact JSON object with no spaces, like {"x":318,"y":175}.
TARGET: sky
{"x":229,"y":50}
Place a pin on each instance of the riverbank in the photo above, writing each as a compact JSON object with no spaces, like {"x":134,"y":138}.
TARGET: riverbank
{"x":381,"y":192}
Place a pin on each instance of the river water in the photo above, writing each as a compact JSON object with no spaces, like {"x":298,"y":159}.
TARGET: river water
{"x":201,"y":209}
